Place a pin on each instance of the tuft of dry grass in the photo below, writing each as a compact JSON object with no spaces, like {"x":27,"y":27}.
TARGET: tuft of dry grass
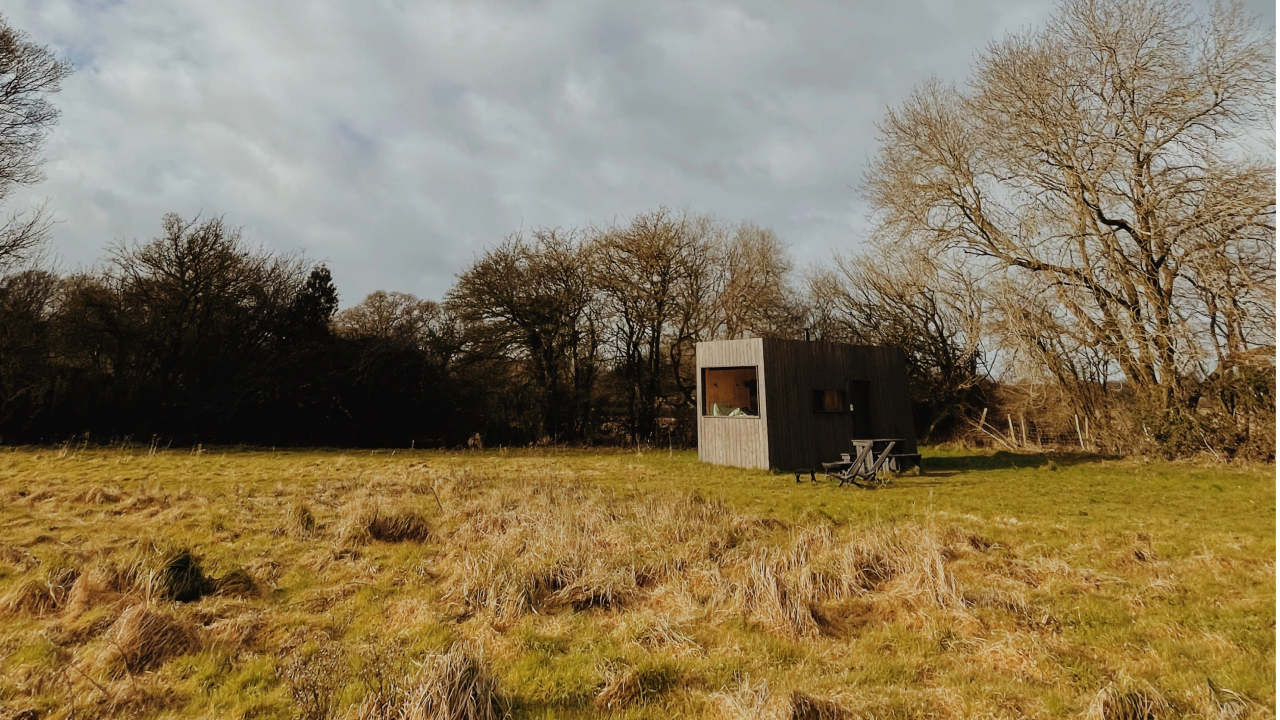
{"x":367,"y":520}
{"x":803,"y":706}
{"x":98,"y":585}
{"x":758,"y":701}
{"x":171,"y":573}
{"x":753,"y":700}
{"x":455,"y":685}
{"x":142,"y":638}
{"x":622,"y":687}
{"x":41,"y":595}
{"x":776,"y":603}
{"x":301,"y":522}
{"x":1219,"y":703}
{"x":236,"y":583}
{"x":1128,"y":702}
{"x":98,"y":496}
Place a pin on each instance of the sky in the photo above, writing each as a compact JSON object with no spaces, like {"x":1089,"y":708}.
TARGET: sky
{"x":396,"y":140}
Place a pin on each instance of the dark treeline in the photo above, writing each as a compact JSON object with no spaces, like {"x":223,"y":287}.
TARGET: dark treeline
{"x":561,"y":336}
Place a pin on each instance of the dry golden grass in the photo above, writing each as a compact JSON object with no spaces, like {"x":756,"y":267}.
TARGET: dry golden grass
{"x":142,"y":639}
{"x":431,"y":585}
{"x":366,"y":520}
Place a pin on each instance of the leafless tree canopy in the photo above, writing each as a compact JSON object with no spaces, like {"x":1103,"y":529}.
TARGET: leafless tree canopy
{"x":900,"y":296}
{"x":29,"y":74}
{"x":390,"y":315}
{"x":603,"y":321}
{"x":528,"y":305}
{"x":1104,"y":171}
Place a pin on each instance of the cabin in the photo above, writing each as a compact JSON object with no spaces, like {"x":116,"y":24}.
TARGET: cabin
{"x":790,"y":405}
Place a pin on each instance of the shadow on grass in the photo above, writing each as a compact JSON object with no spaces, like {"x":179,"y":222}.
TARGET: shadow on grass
{"x":1007,"y":461}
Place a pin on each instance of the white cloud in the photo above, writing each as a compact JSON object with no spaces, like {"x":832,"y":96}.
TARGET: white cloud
{"x":395,"y":139}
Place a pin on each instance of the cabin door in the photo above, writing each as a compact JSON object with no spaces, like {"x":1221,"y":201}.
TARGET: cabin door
{"x":860,"y":408}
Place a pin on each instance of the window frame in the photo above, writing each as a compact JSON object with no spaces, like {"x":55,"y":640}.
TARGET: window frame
{"x":820,"y":401}
{"x":704,"y":407}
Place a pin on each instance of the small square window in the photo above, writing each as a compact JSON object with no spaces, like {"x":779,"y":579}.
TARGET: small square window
{"x":829,"y":401}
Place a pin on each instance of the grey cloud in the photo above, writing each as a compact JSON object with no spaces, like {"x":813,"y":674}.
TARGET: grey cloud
{"x":395,"y":140}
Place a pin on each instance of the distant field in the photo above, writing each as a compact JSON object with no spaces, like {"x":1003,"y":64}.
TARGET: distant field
{"x":575,"y":584}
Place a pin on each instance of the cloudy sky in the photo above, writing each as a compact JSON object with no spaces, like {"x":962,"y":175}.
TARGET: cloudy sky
{"x":395,"y":139}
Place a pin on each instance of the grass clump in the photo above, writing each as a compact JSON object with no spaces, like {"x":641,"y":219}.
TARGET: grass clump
{"x":753,"y":700}
{"x":301,"y":522}
{"x":235,"y":583}
{"x":368,"y":520}
{"x":456,"y":685}
{"x":176,"y":573}
{"x":626,"y":684}
{"x":1132,"y":702}
{"x":173,"y":573}
{"x":98,"y":585}
{"x":44,"y":593}
{"x":803,"y":706}
{"x":144,"y":638}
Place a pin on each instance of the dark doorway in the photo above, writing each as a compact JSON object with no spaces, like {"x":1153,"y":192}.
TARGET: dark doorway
{"x":860,"y":408}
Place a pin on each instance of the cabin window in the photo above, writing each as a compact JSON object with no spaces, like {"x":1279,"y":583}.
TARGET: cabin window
{"x":730,"y":392}
{"x":829,"y":401}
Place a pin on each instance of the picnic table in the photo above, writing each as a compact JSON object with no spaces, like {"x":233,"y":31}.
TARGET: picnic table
{"x":862,"y":467}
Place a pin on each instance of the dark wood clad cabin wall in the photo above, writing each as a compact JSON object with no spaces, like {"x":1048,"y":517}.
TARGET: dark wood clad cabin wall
{"x":890,"y":396}
{"x":734,"y":441}
{"x":793,"y":369}
{"x":799,"y":437}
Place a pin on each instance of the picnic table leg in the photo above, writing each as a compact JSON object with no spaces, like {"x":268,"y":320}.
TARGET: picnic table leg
{"x":857,"y":463}
{"x":875,"y":467}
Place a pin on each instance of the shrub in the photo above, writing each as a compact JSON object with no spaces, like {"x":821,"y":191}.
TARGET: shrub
{"x":314,"y":680}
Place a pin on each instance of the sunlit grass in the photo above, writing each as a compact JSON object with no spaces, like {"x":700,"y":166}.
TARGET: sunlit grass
{"x":640,"y":584}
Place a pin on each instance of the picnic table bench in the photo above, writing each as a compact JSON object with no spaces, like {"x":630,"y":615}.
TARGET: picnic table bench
{"x":863,"y":466}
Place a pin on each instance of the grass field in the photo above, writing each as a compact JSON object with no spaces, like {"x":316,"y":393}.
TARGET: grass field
{"x":574,"y":584}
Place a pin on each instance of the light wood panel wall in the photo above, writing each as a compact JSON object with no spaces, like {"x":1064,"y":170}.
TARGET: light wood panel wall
{"x":734,"y":441}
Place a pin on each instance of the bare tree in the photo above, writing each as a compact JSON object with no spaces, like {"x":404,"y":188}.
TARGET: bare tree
{"x":758,"y":298}
{"x":901,"y":296}
{"x":655,"y":274}
{"x":389,"y":315}
{"x":697,"y":290}
{"x":187,"y":303}
{"x":1103,"y":167}
{"x":29,"y":74}
{"x":532,"y":303}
